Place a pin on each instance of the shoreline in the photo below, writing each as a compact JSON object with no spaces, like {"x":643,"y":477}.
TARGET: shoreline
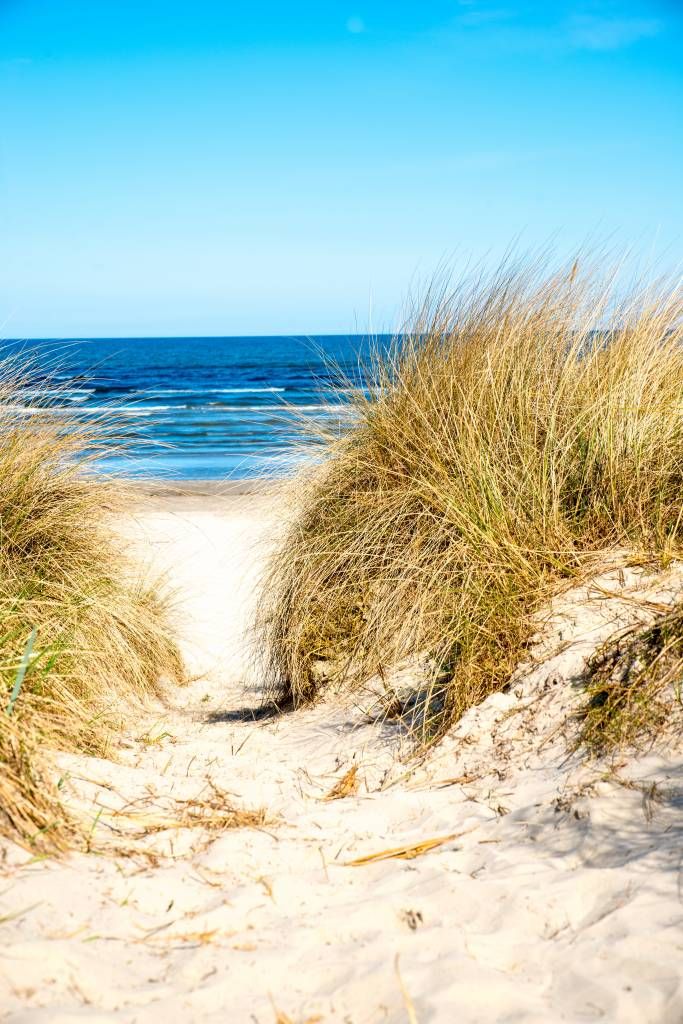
{"x":217,"y":497}
{"x":155,"y":487}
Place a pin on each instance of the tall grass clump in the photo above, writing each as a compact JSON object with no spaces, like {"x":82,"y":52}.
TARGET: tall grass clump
{"x":522,"y":425}
{"x":82,"y":638}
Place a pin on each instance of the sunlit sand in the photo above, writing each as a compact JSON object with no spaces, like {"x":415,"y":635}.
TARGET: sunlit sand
{"x":502,"y":878}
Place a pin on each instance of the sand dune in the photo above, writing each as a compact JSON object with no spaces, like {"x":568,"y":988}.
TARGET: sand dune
{"x":552,"y":891}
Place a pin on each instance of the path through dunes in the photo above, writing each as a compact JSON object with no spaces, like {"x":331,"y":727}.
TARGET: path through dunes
{"x":556,"y":897}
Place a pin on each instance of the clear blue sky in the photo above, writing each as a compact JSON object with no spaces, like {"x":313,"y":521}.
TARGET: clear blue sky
{"x":195,"y":166}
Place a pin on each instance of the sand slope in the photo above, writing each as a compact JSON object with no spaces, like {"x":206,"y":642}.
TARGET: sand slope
{"x":558,"y":897}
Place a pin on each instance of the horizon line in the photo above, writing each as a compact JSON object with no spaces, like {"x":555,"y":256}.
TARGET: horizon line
{"x":202,"y":337}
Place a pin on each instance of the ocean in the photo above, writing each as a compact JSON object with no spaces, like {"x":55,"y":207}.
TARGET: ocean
{"x":201,"y":408}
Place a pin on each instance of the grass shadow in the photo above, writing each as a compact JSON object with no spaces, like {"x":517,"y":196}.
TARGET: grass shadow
{"x":264,"y":712}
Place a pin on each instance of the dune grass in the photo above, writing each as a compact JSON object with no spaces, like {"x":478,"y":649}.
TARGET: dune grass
{"x":522,"y":425}
{"x":82,"y":638}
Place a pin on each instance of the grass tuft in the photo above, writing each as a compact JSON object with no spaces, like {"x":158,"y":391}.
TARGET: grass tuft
{"x":521,"y":426}
{"x":30,"y":810}
{"x":82,"y":637}
{"x":634,"y":685}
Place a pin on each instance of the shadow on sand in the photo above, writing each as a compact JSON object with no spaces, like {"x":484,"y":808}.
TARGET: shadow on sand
{"x":264,"y":712}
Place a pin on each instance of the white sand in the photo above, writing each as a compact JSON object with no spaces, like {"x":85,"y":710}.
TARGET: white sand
{"x":560,"y":899}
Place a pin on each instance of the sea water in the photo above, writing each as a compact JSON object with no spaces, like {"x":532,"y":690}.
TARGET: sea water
{"x":200,"y":408}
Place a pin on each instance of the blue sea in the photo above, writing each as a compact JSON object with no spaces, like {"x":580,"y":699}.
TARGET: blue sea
{"x":201,"y":408}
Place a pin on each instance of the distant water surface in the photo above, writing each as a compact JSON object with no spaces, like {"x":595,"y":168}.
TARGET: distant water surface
{"x":201,"y":408}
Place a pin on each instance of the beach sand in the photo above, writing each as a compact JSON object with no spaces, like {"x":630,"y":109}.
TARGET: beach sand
{"x":552,"y":891}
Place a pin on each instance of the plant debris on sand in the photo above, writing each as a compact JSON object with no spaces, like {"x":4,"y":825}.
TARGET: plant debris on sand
{"x":82,"y":638}
{"x":521,"y":426}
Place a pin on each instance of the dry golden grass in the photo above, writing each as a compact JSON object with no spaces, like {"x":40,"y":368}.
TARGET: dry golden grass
{"x":30,"y":810}
{"x":408,"y":851}
{"x":521,"y":426}
{"x":347,"y":785}
{"x":212,"y":812}
{"x":82,"y":639}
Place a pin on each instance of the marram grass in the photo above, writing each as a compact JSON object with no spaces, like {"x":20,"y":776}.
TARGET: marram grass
{"x":82,"y":638}
{"x":522,"y":426}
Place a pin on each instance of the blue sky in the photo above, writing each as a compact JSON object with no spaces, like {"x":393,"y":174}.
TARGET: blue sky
{"x":224,"y":168}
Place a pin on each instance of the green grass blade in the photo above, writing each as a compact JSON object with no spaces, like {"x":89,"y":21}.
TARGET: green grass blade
{"x":21,"y":671}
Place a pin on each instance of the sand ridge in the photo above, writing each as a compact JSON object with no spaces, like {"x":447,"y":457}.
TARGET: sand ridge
{"x":557,"y":896}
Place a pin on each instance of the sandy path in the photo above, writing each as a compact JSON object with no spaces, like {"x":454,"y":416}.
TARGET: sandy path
{"x":558,"y":899}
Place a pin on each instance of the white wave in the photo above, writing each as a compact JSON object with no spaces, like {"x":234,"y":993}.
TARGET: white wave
{"x":132,"y":409}
{"x":162,"y":392}
{"x":290,"y":408}
{"x":80,"y":394}
{"x":146,"y":410}
{"x":127,"y":410}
